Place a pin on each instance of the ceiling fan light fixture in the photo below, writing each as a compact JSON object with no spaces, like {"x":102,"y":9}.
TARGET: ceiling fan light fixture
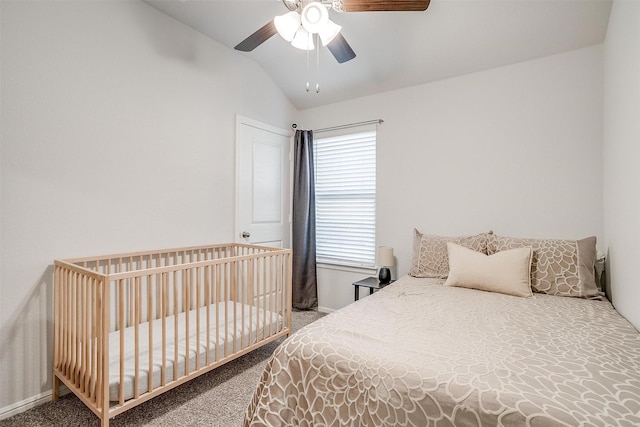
{"x":314,"y":17}
{"x":287,"y":25}
{"x":303,"y":40}
{"x":329,"y":32}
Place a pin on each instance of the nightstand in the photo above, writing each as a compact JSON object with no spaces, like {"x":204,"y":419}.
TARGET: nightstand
{"x":369,"y":282}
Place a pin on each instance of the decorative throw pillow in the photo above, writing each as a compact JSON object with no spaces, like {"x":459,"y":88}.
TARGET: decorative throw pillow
{"x":507,"y":272}
{"x":430,"y":258}
{"x":559,"y":267}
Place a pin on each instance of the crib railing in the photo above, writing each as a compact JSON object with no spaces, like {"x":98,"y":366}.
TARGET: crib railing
{"x":165,"y":316}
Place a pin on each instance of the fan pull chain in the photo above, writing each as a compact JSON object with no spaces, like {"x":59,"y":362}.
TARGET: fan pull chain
{"x":307,"y":71}
{"x":317,"y":65}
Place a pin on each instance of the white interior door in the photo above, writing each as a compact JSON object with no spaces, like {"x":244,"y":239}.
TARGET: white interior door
{"x":263,"y":168}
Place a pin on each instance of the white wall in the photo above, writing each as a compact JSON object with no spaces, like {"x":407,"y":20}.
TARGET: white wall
{"x":622,"y":156}
{"x":515,"y":149}
{"x":118,"y":134}
{"x":116,"y":120}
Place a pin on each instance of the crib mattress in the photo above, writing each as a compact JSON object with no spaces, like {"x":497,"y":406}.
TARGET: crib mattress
{"x":236,"y":322}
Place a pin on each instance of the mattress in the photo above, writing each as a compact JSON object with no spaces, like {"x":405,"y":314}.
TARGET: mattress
{"x":250,"y":323}
{"x":421,"y":354}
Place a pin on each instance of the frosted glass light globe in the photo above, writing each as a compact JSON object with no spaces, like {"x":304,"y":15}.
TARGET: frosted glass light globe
{"x":314,"y":17}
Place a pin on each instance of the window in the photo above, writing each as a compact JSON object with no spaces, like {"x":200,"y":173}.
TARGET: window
{"x":345,"y":173}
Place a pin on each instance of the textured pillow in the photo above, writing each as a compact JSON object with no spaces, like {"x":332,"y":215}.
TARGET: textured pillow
{"x":507,"y":272}
{"x":430,"y":257}
{"x":559,"y":267}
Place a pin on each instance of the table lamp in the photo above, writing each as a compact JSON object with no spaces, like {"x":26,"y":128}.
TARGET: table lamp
{"x":385,"y":260}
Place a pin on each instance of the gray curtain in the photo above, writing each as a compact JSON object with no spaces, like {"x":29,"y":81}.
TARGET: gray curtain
{"x":303,"y":244}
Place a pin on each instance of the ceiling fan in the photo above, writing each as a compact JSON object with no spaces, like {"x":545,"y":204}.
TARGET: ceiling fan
{"x":308,"y":20}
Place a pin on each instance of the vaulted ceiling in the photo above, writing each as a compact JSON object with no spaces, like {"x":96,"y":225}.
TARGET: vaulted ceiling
{"x":400,"y":49}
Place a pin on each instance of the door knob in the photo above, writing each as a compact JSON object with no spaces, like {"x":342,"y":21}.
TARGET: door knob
{"x":245,"y":234}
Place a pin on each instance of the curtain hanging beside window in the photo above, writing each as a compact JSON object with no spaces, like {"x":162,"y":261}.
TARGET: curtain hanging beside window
{"x":303,"y":242}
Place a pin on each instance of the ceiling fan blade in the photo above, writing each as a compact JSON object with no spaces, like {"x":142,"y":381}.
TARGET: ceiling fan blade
{"x":383,"y":5}
{"x":341,"y":49}
{"x":257,"y":38}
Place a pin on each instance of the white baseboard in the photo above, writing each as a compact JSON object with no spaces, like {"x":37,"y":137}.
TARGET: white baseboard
{"x":326,"y":310}
{"x":30,"y":402}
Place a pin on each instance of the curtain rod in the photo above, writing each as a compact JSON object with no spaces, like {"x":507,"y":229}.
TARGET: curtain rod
{"x":346,"y":126}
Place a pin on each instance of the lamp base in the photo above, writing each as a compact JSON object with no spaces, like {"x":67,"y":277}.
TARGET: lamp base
{"x":384,"y":276}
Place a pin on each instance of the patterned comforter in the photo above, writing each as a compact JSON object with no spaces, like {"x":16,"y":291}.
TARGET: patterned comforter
{"x":421,"y":354}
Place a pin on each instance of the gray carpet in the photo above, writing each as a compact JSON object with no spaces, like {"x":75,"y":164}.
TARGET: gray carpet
{"x":217,"y":398}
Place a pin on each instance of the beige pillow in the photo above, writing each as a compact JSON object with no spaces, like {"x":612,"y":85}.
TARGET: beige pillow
{"x":507,"y":272}
{"x":430,"y":258}
{"x":559,"y":267}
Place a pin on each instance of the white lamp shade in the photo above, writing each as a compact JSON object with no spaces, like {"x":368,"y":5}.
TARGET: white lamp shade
{"x":314,"y":17}
{"x":385,"y":256}
{"x":287,"y":25}
{"x":329,"y":32}
{"x":303,"y":40}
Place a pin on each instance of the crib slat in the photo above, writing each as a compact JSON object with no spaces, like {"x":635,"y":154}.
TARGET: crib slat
{"x":67,"y":320}
{"x":158,"y":288}
{"x":150,"y":320}
{"x":216,"y":299}
{"x":250,"y":303}
{"x":121,"y":325}
{"x":136,"y":333}
{"x":235,"y":290}
{"x":74,"y":331}
{"x":185,"y":309}
{"x":78,"y":330}
{"x":85,"y":336}
{"x":163,"y":283}
{"x":247,"y":301}
{"x":63,"y":321}
{"x":99,"y":350}
{"x":280,"y":289}
{"x":105,"y":347}
{"x":241,"y":296}
{"x":226,"y":308}
{"x":266,"y":297}
{"x":272,"y":291}
{"x":280,"y":292}
{"x":207,"y":298}
{"x":288,"y":288}
{"x":72,"y":326}
{"x":94,"y":343}
{"x":197,"y":308}
{"x":98,"y":384}
{"x":229,"y":283}
{"x":175,"y":324}
{"x":132,"y":297}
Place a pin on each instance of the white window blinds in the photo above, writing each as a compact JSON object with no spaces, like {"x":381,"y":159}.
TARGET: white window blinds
{"x":345,"y":172}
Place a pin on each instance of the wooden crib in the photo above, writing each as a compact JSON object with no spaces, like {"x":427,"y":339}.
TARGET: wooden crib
{"x":129,"y":327}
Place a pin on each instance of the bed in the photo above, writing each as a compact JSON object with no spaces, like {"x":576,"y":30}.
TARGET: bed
{"x":128,"y":327}
{"x":421,"y":352}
